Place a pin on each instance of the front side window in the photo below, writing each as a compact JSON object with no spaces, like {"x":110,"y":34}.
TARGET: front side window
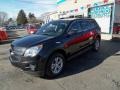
{"x":53,"y":28}
{"x":75,"y":27}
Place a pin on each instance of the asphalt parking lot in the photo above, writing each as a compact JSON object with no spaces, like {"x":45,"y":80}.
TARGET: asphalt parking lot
{"x":90,"y":71}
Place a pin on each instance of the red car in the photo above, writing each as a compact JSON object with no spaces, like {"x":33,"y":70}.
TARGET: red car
{"x":3,"y":34}
{"x":116,"y":28}
{"x":31,"y":29}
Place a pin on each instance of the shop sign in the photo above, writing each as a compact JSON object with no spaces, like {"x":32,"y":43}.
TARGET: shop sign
{"x":98,"y":12}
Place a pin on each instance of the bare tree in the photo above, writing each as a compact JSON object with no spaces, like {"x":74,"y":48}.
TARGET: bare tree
{"x":3,"y":17}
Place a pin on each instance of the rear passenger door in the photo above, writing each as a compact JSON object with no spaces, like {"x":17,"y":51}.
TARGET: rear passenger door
{"x":87,"y":29}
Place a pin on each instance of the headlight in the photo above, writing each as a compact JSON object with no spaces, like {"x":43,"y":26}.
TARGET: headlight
{"x":33,"y":51}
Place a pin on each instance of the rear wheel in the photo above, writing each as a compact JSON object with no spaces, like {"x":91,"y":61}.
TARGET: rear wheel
{"x":55,"y":65}
{"x":96,"y":45}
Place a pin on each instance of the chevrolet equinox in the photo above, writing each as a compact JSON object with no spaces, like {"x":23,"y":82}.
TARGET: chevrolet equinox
{"x":53,"y":44}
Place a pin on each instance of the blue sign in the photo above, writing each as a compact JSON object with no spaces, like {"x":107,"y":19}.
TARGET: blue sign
{"x":60,"y":1}
{"x":98,"y":12}
{"x":81,"y":8}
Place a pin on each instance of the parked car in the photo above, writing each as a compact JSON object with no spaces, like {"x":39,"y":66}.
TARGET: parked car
{"x":3,"y":34}
{"x":10,"y":27}
{"x":31,"y":29}
{"x":53,"y":44}
{"x":116,"y":28}
{"x":21,"y":26}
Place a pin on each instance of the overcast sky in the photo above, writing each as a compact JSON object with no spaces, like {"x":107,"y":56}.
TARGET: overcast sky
{"x":35,"y":6}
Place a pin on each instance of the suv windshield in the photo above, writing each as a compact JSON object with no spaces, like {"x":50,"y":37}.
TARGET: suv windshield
{"x":53,"y":28}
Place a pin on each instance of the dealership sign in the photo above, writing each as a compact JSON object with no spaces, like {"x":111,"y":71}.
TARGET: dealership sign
{"x":98,"y":12}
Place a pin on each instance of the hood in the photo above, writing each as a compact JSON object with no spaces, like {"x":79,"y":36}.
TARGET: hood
{"x":30,"y":41}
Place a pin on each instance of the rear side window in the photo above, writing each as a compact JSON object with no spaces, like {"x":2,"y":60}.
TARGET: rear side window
{"x":88,"y":24}
{"x":85,"y":25}
{"x":93,"y":24}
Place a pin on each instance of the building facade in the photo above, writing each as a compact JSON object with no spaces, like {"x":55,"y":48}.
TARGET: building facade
{"x":105,"y":12}
{"x":49,"y":16}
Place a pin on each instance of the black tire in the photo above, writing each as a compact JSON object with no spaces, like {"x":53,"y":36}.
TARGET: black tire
{"x":96,"y":45}
{"x":49,"y":73}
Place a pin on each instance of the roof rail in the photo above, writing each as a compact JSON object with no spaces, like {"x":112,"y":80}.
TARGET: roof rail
{"x":75,"y":17}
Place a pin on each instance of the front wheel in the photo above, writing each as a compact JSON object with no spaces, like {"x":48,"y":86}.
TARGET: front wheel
{"x":96,"y":45}
{"x":55,"y":65}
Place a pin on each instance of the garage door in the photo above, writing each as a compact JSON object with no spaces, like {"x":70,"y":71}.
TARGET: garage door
{"x":102,"y":15}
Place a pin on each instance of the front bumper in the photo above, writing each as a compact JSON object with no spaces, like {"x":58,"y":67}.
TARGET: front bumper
{"x":35,"y":64}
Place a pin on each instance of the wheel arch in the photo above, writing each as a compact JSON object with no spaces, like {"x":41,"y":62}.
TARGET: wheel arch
{"x":59,"y":51}
{"x":98,"y":36}
{"x":55,"y":51}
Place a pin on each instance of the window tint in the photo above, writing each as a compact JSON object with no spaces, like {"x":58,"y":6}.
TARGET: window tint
{"x":53,"y":28}
{"x":75,"y":26}
{"x":85,"y":25}
{"x":88,"y":24}
{"x":92,"y":24}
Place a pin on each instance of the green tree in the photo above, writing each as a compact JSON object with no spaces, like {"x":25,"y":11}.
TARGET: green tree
{"x":21,"y":18}
{"x":10,"y":20}
{"x":3,"y":17}
{"x":31,"y":15}
{"x":32,"y":18}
